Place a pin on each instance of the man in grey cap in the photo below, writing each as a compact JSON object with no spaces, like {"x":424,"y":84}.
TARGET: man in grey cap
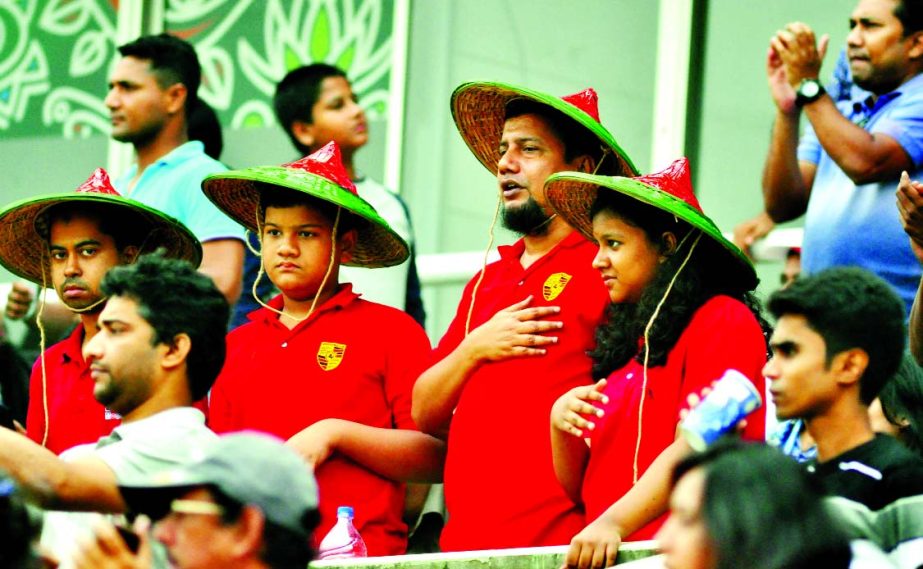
{"x":248,"y":502}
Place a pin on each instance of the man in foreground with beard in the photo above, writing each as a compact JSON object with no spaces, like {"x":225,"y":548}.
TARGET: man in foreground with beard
{"x":523,"y":327}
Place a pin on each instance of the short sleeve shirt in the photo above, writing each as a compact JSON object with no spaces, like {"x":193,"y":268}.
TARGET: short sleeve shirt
{"x":74,"y":417}
{"x":874,"y":474}
{"x":353,"y":360}
{"x":173,"y":185}
{"x":723,"y":334}
{"x":134,"y":451}
{"x":500,"y":486}
{"x":859,"y":225}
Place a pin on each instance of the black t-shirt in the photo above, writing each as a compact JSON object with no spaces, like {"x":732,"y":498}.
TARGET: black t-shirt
{"x":875,"y":473}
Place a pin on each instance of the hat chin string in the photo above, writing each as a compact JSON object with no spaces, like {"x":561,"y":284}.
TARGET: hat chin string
{"x":606,"y":152}
{"x":89,"y":308}
{"x":535,"y":229}
{"x":647,"y":347}
{"x":490,"y":242}
{"x":42,"y":342}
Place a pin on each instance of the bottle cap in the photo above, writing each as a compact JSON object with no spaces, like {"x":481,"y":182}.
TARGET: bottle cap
{"x":345,"y":511}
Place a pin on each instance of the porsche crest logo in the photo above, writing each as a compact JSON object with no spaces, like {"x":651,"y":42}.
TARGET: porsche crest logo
{"x":554,"y":285}
{"x":329,"y":355}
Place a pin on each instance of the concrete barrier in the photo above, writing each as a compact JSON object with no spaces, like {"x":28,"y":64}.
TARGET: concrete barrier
{"x":524,"y":558}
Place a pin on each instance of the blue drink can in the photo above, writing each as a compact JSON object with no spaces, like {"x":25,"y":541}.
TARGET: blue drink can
{"x":732,"y":398}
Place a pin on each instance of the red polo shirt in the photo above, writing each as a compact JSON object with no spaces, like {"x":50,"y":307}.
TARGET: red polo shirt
{"x":500,"y":486}
{"x":352,"y":360}
{"x":75,"y":416}
{"x":722,"y":334}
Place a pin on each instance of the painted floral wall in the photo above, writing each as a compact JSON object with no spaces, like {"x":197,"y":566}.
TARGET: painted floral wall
{"x":55,"y":56}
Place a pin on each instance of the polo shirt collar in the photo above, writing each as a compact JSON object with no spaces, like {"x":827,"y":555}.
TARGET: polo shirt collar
{"x":873,"y":103}
{"x":72,"y":346}
{"x":182,"y":152}
{"x":173,"y":416}
{"x":343,"y":297}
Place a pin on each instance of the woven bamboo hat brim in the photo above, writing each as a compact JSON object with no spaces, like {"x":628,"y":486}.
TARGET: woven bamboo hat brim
{"x":479,"y":111}
{"x":237,"y":193}
{"x":572,"y":194}
{"x":23,"y":236}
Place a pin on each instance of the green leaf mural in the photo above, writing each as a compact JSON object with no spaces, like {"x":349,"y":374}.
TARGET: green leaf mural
{"x":320,"y":37}
{"x":56,"y":55}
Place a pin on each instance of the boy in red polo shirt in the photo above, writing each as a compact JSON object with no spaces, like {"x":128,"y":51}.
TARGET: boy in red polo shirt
{"x":319,"y":366}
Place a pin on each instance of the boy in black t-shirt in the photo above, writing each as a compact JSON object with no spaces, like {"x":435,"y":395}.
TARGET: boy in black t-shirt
{"x":839,"y":336}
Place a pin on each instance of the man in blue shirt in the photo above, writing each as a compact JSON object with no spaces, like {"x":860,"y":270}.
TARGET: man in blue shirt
{"x":151,"y":91}
{"x":845,"y":170}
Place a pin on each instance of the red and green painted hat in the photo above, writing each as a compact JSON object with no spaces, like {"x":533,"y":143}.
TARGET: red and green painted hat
{"x":479,"y":111}
{"x":571,"y":195}
{"x":24,"y":227}
{"x":321,"y":175}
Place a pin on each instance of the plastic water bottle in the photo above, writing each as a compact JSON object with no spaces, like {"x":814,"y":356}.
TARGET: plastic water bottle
{"x":343,"y":540}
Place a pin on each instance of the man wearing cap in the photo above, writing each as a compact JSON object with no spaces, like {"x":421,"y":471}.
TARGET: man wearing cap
{"x":844,"y":171}
{"x":69,"y":241}
{"x":151,"y":91}
{"x":248,"y":502}
{"x":502,"y":362}
{"x":154,"y":354}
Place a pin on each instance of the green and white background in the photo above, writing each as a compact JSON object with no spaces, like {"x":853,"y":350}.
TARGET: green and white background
{"x":405,"y":57}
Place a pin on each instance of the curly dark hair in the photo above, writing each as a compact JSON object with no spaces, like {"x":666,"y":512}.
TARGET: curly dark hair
{"x":703,"y":277}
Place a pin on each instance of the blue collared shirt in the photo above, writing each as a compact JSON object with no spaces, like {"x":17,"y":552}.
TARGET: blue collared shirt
{"x":173,"y":185}
{"x":859,"y":225}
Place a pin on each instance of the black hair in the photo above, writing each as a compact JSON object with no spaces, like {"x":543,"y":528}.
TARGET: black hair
{"x":282,"y":547}
{"x":577,"y":139}
{"x":297,"y":94}
{"x":763,"y":511}
{"x":172,"y":61}
{"x":901,"y":401}
{"x":125,"y":227}
{"x":275,"y":196}
{"x":910,"y":14}
{"x":19,"y":530}
{"x":176,"y":299}
{"x":203,"y":124}
{"x":850,"y":308}
{"x":703,"y":277}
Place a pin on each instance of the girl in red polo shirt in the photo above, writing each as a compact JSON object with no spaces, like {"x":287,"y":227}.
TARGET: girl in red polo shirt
{"x":682,"y":313}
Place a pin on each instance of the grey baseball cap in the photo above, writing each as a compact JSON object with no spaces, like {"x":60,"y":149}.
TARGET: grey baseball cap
{"x":253,"y":468}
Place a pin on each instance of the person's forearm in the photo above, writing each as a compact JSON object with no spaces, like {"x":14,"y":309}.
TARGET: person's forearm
{"x":650,"y":497}
{"x":862,"y":156}
{"x":53,"y":483}
{"x":398,"y":454}
{"x":569,"y":455}
{"x":437,"y":390}
{"x":785,"y":194}
{"x":223,"y":262}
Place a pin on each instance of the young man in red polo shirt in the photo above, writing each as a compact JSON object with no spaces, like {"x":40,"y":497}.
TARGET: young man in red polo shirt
{"x":503,"y":363}
{"x":70,"y":241}
{"x":319,"y":366}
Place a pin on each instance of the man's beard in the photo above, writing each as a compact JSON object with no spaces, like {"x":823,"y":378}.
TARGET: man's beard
{"x":526,"y":219}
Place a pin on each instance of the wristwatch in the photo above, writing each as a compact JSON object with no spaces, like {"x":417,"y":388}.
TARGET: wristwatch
{"x":808,"y":91}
